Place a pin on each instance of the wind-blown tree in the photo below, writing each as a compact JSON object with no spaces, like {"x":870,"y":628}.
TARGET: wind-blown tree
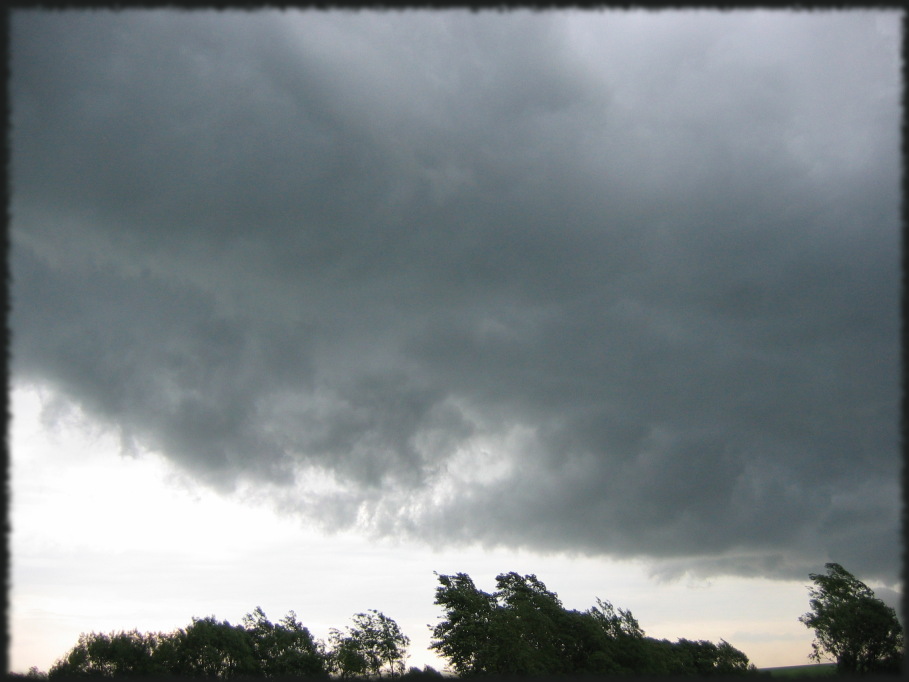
{"x":531,"y":617}
{"x":729,"y":660}
{"x":615,"y":624}
{"x":706,"y":658}
{"x":285,"y":649}
{"x":851,"y":625}
{"x":523,"y":629}
{"x":465,"y":638}
{"x":118,"y":654}
{"x":209,"y":648}
{"x":206,"y":648}
{"x":374,"y":646}
{"x":344,"y":656}
{"x":428,"y":673}
{"x":622,"y":646}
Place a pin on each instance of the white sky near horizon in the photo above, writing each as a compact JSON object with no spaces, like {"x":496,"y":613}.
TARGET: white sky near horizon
{"x":99,"y":537}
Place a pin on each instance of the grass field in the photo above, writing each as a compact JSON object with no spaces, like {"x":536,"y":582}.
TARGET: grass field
{"x":811,"y":670}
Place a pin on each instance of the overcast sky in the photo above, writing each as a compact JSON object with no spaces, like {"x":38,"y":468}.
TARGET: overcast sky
{"x":618,"y":285}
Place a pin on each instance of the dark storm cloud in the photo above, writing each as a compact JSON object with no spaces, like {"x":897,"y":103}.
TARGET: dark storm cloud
{"x":618,"y":283}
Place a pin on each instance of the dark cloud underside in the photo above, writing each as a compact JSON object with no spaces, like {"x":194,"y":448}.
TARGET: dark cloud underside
{"x":620,"y":283}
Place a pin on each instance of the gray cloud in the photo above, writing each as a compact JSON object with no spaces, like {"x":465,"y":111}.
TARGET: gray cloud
{"x":623,"y":283}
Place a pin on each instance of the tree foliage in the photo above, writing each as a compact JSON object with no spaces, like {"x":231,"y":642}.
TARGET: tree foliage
{"x":465,"y":637}
{"x":520,"y":629}
{"x":206,"y":648}
{"x":523,"y":629}
{"x":209,"y":648}
{"x":118,"y":654}
{"x":615,"y":624}
{"x":373,"y":646}
{"x":285,"y":649}
{"x":851,"y":625}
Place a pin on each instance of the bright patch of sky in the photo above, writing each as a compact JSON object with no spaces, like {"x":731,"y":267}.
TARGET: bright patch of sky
{"x":104,"y":541}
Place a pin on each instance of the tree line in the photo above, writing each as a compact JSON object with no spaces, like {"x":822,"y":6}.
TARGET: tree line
{"x":520,"y":629}
{"x":372,"y":647}
{"x":523,"y":629}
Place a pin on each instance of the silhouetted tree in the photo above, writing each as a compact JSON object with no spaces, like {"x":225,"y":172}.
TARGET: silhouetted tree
{"x":344,"y":656}
{"x":209,"y":648}
{"x":427,"y":673}
{"x":465,"y":637}
{"x":206,"y":648}
{"x":706,"y":658}
{"x":730,"y":660}
{"x":118,"y":654}
{"x":32,"y":674}
{"x":851,"y":625}
{"x":615,"y":624}
{"x":373,"y":646}
{"x":285,"y":649}
{"x":523,"y":629}
{"x":529,"y":618}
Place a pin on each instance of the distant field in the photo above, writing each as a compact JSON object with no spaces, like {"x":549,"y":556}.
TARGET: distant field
{"x":811,"y":670}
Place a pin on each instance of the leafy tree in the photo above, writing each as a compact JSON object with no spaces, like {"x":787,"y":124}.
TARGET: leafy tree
{"x":689,"y":658}
{"x":615,"y":625}
{"x":523,"y":629}
{"x":284,"y":649}
{"x":706,"y":658}
{"x":345,"y":658}
{"x":516,"y":631}
{"x":374,"y":646}
{"x":428,"y":672}
{"x":120,"y":654}
{"x":730,"y":660}
{"x":851,"y":625}
{"x":465,"y":637}
{"x":529,"y":615}
{"x":622,"y":641}
{"x":661,"y":657}
{"x":208,"y":648}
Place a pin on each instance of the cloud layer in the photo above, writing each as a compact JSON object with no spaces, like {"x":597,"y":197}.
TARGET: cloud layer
{"x":621,"y":283}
